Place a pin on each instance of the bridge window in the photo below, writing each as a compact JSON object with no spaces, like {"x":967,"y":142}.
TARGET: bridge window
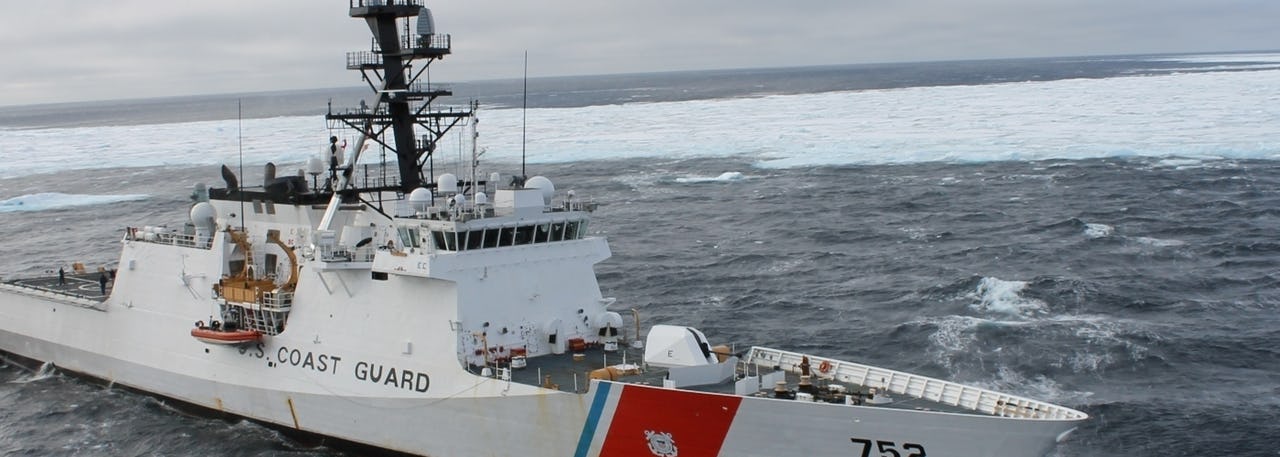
{"x":557,"y":231}
{"x":408,"y":236}
{"x":524,"y":235}
{"x":491,"y":238}
{"x":500,"y":237}
{"x":507,"y":234}
{"x":543,"y":233}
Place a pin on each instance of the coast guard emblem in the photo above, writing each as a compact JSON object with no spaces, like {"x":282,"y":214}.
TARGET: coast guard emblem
{"x":661,"y":444}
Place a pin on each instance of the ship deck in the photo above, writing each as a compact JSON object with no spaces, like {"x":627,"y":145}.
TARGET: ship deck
{"x":84,"y":286}
{"x":572,"y":374}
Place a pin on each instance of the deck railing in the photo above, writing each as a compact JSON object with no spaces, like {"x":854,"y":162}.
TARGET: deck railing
{"x":344,"y":254}
{"x":364,"y":3}
{"x":932,"y":389}
{"x":159,"y":235}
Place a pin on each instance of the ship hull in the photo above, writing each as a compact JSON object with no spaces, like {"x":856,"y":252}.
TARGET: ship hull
{"x":611,"y":419}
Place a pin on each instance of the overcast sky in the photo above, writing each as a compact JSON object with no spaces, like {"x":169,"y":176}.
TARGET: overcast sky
{"x":74,"y":50}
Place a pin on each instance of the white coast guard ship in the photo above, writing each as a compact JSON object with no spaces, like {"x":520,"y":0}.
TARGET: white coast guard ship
{"x":449,"y":316}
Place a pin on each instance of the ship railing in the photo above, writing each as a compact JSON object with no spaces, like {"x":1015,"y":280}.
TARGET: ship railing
{"x":439,"y":41}
{"x":159,"y":235}
{"x":576,"y":204}
{"x":430,"y":88}
{"x":365,"y":3}
{"x":268,"y":314}
{"x":417,"y":43}
{"x":923,"y":387}
{"x":363,"y":59}
{"x":345,"y":254}
{"x":411,"y":44}
{"x":472,"y":211}
{"x":277,"y":301}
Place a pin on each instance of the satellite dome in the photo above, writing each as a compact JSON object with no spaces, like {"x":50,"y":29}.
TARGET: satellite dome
{"x":447,"y":184}
{"x":482,"y":198}
{"x":543,"y":184}
{"x":608,"y":319}
{"x":205,"y":219}
{"x":420,"y":198}
{"x":315,"y":166}
{"x":203,"y":215}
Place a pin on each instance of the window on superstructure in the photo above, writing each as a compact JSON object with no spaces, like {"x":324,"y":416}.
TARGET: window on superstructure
{"x":524,"y":235}
{"x":438,"y":237}
{"x":507,"y":236}
{"x":270,"y":263}
{"x":408,"y":236}
{"x":235,"y":267}
{"x":543,"y":233}
{"x":475,"y":239}
{"x":491,"y":238}
{"x":557,"y":231}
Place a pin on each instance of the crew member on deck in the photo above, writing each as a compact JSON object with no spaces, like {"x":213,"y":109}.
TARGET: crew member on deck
{"x":62,"y":276}
{"x":102,"y":282}
{"x":333,"y":159}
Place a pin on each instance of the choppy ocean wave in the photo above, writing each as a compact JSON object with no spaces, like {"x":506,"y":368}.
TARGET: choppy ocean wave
{"x":54,"y":200}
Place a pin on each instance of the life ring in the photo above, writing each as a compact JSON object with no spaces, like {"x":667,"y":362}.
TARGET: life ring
{"x":824,"y":367}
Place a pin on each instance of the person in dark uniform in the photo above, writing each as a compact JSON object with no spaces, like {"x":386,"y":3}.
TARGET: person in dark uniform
{"x":62,"y":276}
{"x":333,"y":157}
{"x":102,"y":282}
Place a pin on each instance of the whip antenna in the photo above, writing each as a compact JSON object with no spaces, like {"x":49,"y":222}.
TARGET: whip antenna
{"x":240,"y":148}
{"x":524,"y":109}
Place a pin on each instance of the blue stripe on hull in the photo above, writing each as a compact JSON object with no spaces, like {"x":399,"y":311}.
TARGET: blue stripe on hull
{"x":593,"y":418}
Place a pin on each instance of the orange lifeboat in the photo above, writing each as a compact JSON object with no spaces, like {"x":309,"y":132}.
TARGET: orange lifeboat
{"x":209,"y":335}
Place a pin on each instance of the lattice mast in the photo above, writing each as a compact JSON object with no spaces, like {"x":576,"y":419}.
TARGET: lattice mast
{"x":402,"y":101}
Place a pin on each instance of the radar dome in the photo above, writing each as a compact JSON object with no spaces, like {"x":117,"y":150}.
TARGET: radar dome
{"x":447,"y":184}
{"x":315,"y":166}
{"x":420,"y":198}
{"x":609,"y":319}
{"x":482,"y":198}
{"x":205,"y":219}
{"x":543,"y":184}
{"x":426,"y":23}
{"x":203,"y":215}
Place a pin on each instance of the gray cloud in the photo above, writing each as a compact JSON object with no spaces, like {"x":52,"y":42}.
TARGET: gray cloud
{"x":66,"y":50}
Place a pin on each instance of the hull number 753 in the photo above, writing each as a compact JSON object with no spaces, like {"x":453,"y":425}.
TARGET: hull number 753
{"x":888,"y":448}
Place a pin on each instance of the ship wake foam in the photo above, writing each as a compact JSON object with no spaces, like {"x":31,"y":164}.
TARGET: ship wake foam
{"x":45,"y":371}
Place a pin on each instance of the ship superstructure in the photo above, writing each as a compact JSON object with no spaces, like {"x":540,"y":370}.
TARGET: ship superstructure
{"x":384,"y":304}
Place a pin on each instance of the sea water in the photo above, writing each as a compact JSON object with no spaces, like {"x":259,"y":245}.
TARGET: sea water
{"x":1094,"y":232}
